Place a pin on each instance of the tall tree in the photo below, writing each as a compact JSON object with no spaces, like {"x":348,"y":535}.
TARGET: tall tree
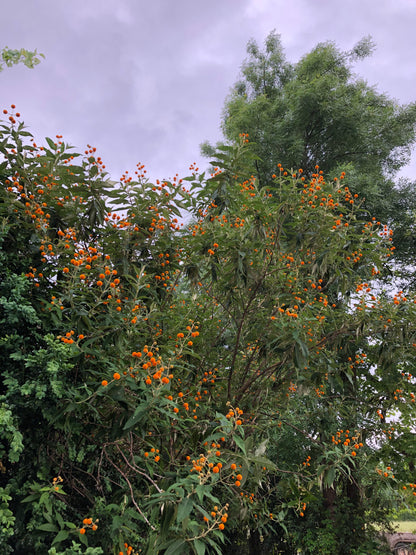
{"x":317,"y":111}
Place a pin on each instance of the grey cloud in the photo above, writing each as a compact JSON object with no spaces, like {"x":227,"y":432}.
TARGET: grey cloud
{"x":146,"y":81}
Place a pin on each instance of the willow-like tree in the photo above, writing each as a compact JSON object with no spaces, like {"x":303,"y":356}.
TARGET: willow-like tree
{"x":318,"y":111}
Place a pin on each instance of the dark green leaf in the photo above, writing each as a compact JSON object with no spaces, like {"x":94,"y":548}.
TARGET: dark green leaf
{"x":184,"y":509}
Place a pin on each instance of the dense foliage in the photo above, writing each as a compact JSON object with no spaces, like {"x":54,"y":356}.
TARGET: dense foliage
{"x":318,"y":111}
{"x":236,"y":382}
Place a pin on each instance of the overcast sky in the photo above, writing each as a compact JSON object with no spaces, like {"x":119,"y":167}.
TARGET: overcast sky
{"x":145,"y":80}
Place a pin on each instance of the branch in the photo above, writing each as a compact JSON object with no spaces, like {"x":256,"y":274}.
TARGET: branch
{"x":131,"y":491}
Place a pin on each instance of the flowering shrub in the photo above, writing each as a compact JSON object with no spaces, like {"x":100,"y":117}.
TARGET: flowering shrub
{"x":192,"y":364}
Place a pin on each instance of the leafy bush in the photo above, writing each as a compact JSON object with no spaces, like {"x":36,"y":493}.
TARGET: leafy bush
{"x":171,"y":388}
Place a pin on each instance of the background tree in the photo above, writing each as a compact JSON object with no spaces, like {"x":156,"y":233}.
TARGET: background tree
{"x":317,"y":111}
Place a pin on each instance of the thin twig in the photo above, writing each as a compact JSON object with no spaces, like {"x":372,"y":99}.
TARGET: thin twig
{"x":131,"y":491}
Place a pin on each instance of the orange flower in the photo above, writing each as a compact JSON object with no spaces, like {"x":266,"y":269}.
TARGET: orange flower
{"x":116,"y":376}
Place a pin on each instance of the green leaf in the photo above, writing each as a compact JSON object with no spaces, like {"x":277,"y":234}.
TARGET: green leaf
{"x":138,"y":415}
{"x":263,"y":461}
{"x":60,"y":520}
{"x":200,"y":491}
{"x":184,"y":509}
{"x":199,"y":547}
{"x":176,"y":548}
{"x":30,"y":498}
{"x":167,"y":518}
{"x":50,"y":143}
{"x":240,"y":442}
{"x":48,"y":527}
{"x":329,"y":477}
{"x":83,"y":539}
{"x":214,"y":545}
{"x":61,"y":536}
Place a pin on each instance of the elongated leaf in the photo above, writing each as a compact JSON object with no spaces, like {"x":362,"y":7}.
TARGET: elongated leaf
{"x":199,"y":547}
{"x":138,"y":415}
{"x":60,"y":537}
{"x":50,"y":143}
{"x":329,"y":477}
{"x":240,"y":442}
{"x":48,"y":527}
{"x":168,"y":516}
{"x":214,"y":545}
{"x":176,"y":548}
{"x":184,"y":509}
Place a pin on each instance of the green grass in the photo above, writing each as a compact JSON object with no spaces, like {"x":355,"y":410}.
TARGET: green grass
{"x":405,"y":526}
